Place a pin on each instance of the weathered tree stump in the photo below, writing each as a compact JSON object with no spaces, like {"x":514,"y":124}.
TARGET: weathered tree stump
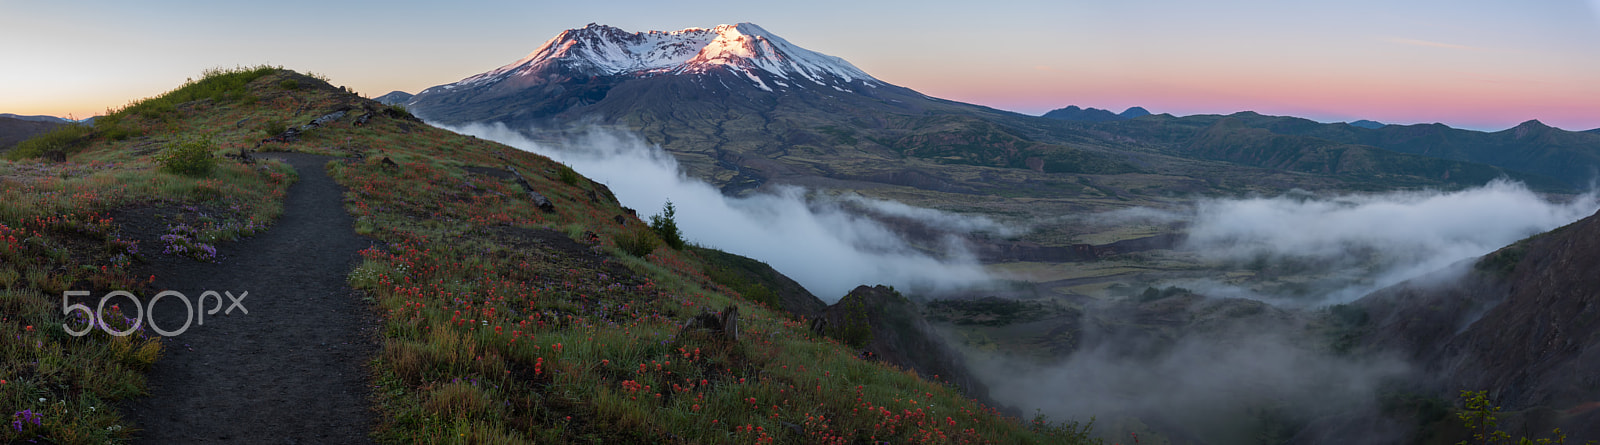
{"x":819,"y":325}
{"x":724,"y":324}
{"x":389,"y":165}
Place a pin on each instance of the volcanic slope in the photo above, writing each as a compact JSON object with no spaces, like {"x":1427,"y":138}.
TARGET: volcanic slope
{"x":508,"y":307}
{"x":730,"y":101}
{"x":1522,"y":323}
{"x":741,"y":107}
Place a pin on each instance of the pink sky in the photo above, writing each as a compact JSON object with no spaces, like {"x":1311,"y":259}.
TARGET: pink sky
{"x":1479,"y":64}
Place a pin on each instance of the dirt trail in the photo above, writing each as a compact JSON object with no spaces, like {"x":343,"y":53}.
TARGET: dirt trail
{"x":291,"y":370}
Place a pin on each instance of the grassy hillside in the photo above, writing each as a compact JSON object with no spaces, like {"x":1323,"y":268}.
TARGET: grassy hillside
{"x":57,"y":233}
{"x":13,"y":130}
{"x":501,"y":322}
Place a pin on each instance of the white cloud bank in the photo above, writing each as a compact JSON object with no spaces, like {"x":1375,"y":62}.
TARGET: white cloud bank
{"x":1377,"y":239}
{"x":814,"y":241}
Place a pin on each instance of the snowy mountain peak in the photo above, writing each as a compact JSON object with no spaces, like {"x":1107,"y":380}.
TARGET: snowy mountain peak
{"x":744,"y":48}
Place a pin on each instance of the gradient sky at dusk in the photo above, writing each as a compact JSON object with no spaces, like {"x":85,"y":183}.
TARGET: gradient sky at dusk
{"x":1480,"y":64}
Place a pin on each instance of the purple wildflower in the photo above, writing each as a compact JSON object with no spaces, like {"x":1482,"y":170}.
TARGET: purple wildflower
{"x":23,"y":417}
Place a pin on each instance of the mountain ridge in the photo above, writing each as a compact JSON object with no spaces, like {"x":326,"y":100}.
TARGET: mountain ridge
{"x":741,"y":129}
{"x":14,"y":130}
{"x":1073,"y":113}
{"x":37,"y":118}
{"x":1530,"y":147}
{"x":396,"y":97}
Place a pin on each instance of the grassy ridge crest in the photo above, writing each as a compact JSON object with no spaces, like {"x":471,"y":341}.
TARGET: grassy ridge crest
{"x":501,"y":323}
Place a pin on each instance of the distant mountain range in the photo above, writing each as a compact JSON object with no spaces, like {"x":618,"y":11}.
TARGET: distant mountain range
{"x":394,"y":97}
{"x":1073,"y":113}
{"x":50,"y":119}
{"x":741,"y":107}
{"x":1571,"y":158}
{"x":18,"y":129}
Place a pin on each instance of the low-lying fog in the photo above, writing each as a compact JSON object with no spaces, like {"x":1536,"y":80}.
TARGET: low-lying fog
{"x":808,"y":238}
{"x":1261,"y":379}
{"x":1358,"y":242}
{"x":1216,"y":387}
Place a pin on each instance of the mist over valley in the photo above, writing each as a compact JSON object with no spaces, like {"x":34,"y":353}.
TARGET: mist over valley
{"x":1188,"y":279}
{"x":724,"y":235}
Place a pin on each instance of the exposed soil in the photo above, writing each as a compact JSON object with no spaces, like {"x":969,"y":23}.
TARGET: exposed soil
{"x":587,"y":255}
{"x":291,"y":369}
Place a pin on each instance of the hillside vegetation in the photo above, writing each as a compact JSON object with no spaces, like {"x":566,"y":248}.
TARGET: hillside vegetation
{"x":13,"y":130}
{"x":502,"y":322}
{"x":1543,"y":157}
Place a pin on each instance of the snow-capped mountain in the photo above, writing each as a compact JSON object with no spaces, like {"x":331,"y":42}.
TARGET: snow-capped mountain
{"x":760,"y":57}
{"x":601,"y":74}
{"x":738,"y":106}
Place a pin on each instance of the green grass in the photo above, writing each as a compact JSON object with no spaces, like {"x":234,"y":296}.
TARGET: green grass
{"x":739,"y":282}
{"x":64,"y":139}
{"x":58,"y":233}
{"x":218,"y":85}
{"x":549,"y":348}
{"x":638,"y":242}
{"x":489,"y":335}
{"x":188,"y":158}
{"x":567,"y":174}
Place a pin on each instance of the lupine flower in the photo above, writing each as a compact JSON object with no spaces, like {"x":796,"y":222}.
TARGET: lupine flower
{"x":24,"y":417}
